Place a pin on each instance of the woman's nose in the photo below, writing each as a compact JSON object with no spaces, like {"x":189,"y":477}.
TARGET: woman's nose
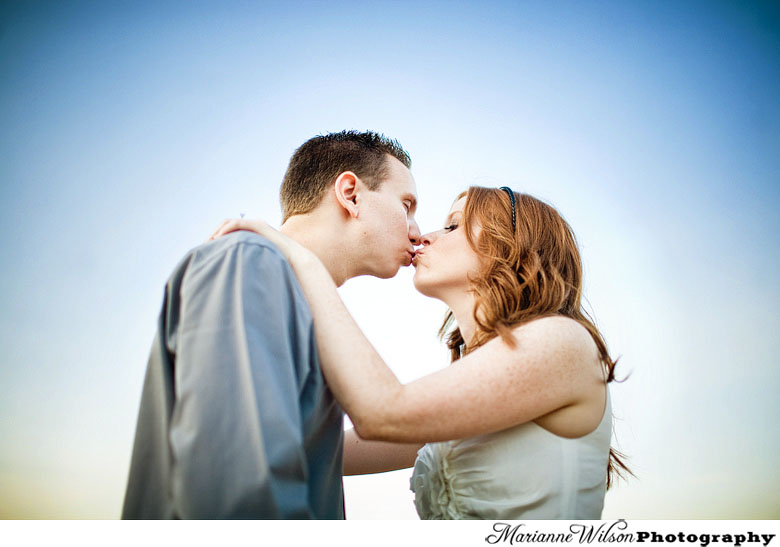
{"x":428,"y":238}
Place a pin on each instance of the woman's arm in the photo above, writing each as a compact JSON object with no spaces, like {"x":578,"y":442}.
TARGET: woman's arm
{"x":552,"y":366}
{"x":362,"y":457}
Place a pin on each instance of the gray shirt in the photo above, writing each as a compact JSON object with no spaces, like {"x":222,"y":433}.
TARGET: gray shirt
{"x":235,"y":419}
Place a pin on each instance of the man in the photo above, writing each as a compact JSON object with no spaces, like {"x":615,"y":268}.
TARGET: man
{"x":235,"y":419}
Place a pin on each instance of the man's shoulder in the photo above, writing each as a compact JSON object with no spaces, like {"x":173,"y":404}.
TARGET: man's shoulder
{"x":243,"y":250}
{"x":241,"y":242}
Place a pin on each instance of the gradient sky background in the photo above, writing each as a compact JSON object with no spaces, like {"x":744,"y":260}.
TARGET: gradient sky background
{"x":129,"y":131}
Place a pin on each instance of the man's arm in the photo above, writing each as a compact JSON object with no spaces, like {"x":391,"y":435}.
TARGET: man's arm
{"x":236,"y":430}
{"x":362,"y":457}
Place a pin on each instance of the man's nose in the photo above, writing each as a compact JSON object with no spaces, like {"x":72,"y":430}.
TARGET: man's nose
{"x":414,"y":233}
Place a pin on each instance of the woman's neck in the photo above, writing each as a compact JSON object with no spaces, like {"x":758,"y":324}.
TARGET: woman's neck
{"x":462,"y":307}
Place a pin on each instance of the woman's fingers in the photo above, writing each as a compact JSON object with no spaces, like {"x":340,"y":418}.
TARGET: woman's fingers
{"x":234,"y":224}
{"x":227,"y":226}
{"x":230,"y":225}
{"x":216,"y":233}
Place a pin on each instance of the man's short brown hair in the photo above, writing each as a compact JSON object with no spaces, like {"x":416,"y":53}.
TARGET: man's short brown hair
{"x":320,"y":160}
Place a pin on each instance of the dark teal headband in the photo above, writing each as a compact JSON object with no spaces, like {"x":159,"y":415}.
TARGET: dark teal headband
{"x":512,"y":199}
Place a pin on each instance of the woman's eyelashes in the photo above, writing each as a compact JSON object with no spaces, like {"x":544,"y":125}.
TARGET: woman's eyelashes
{"x":450,"y":228}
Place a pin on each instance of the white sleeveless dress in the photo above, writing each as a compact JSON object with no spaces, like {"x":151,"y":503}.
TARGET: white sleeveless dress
{"x":524,"y":472}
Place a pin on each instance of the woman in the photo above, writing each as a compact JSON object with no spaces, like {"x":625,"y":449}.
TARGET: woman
{"x":519,"y":425}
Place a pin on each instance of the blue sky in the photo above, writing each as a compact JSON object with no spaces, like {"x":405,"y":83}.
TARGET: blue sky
{"x":128,"y":131}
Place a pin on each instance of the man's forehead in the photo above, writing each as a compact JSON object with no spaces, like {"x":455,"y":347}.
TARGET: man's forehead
{"x":400,"y":180}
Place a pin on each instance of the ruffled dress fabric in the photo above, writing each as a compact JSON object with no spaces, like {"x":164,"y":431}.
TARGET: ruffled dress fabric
{"x":431,"y":482}
{"x":524,"y":472}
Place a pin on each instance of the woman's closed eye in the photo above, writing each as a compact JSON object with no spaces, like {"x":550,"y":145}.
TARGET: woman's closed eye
{"x":450,"y":228}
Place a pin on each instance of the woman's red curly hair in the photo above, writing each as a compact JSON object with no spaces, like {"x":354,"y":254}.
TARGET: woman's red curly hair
{"x":534,"y":271}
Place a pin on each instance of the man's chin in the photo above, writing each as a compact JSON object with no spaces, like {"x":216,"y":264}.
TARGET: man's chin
{"x":389,"y":273}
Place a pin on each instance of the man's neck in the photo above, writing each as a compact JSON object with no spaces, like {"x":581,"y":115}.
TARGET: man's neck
{"x":318,"y":237}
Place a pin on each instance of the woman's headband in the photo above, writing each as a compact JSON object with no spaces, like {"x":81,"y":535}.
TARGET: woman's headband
{"x":512,"y":199}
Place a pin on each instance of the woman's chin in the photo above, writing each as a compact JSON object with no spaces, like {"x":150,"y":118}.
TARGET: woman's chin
{"x":422,"y":287}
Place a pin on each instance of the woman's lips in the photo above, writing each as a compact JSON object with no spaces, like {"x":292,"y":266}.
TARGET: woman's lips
{"x":415,"y":258}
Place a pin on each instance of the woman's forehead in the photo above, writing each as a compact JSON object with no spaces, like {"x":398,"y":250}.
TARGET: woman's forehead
{"x":458,"y":206}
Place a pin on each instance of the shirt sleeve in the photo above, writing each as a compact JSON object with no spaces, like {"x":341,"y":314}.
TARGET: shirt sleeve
{"x":236,"y":430}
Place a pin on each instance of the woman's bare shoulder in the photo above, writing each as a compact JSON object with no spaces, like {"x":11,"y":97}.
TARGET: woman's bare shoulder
{"x":558,"y":334}
{"x":559,"y":326}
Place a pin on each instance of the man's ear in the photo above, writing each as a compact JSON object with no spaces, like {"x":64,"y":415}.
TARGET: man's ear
{"x":347,"y":187}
